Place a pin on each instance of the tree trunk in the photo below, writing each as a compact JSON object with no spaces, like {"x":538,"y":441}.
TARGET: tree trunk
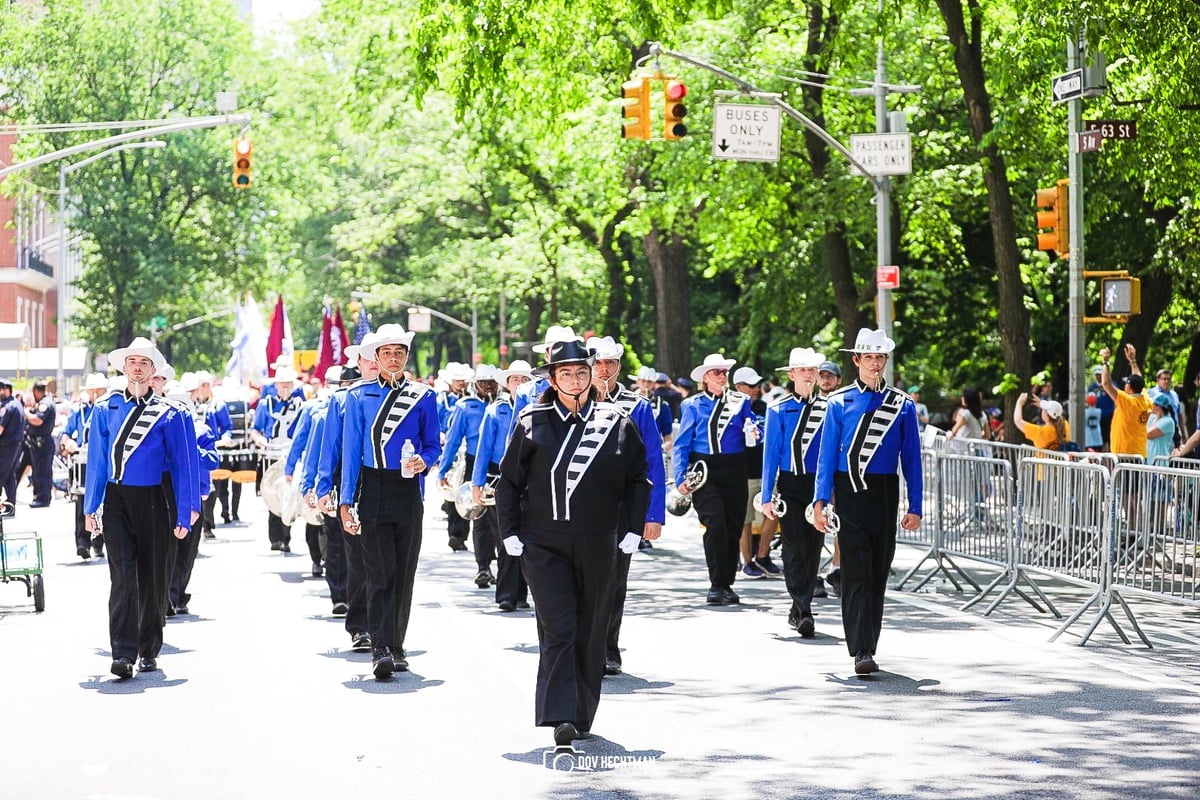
{"x":1011,"y":313}
{"x":667,"y":255}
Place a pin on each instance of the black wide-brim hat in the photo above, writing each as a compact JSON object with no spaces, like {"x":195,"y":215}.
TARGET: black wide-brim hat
{"x":562,"y":353}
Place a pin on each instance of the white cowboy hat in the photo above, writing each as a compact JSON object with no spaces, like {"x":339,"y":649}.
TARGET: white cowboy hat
{"x":644,"y":374}
{"x":456,"y":371}
{"x":557,"y":333}
{"x":173,"y":390}
{"x":140,"y":346}
{"x":803,"y":358}
{"x":283,"y":375}
{"x":118,"y":383}
{"x":748,"y":376}
{"x":871,"y":341}
{"x":167,"y":372}
{"x":203,"y":376}
{"x":188,"y":382}
{"x":712,"y":361}
{"x":392,"y":333}
{"x":571,"y":351}
{"x":606,"y":348}
{"x":518,"y":367}
{"x":96,"y":380}
{"x":487,"y":372}
{"x":333,"y":374}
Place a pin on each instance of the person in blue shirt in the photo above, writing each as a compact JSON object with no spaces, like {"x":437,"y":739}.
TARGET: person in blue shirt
{"x":275,"y":419}
{"x":494,"y":432}
{"x":390,"y":438}
{"x":791,"y":442}
{"x":870,"y":434}
{"x":12,"y":436}
{"x":135,"y":438}
{"x":712,"y":430}
{"x":74,"y":444}
{"x":463,"y":434}
{"x":606,"y":373}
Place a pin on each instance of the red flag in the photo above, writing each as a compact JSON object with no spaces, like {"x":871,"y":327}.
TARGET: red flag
{"x":276,"y":336}
{"x":325,"y":358}
{"x":338,"y":340}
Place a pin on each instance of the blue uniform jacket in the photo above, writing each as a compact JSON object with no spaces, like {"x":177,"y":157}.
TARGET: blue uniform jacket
{"x":209,"y":458}
{"x":783,"y":417}
{"x":270,"y":410}
{"x":363,"y":402}
{"x":217,"y":418}
{"x":529,"y":392}
{"x":77,"y":422}
{"x":642,"y":414}
{"x":301,"y":435}
{"x":465,"y":420}
{"x":329,"y":460}
{"x":901,"y":445}
{"x":165,"y":449}
{"x":312,"y":453}
{"x":445,"y":404}
{"x":693,"y":436}
{"x":494,"y":432}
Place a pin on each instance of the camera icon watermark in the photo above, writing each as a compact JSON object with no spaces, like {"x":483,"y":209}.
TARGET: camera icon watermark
{"x":568,"y":759}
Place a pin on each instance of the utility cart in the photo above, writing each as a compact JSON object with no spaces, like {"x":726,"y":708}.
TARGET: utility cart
{"x":21,"y":560}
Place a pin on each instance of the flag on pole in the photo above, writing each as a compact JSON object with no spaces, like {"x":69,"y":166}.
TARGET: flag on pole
{"x":337,"y":338}
{"x":279,"y":341}
{"x":246,"y":364}
{"x":331,"y":348}
{"x":364,"y":323}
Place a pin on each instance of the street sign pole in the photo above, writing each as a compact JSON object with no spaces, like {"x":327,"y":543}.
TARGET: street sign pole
{"x":883,"y":213}
{"x":1077,"y":338}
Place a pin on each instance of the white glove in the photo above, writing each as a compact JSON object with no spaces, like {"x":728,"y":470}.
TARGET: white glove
{"x":629,"y":544}
{"x":513,"y":546}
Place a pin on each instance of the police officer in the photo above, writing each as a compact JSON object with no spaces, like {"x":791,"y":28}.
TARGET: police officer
{"x":606,"y":373}
{"x":494,"y":431}
{"x":870,"y":433}
{"x":572,"y":479}
{"x":712,"y":430}
{"x":136,"y":437}
{"x":39,"y":437}
{"x":386,"y":420}
{"x":790,"y":446}
{"x":74,"y":438}
{"x":12,"y":437}
{"x":274,"y":423}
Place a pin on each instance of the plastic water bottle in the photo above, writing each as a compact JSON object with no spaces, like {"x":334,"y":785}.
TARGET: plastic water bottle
{"x":750,"y":433}
{"x":406,"y":454}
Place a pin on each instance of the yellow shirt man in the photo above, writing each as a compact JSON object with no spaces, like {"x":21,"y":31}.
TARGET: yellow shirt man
{"x":1129,"y":423}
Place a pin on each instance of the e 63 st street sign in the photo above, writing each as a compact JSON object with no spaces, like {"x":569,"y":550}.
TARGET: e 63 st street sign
{"x":746,"y":131}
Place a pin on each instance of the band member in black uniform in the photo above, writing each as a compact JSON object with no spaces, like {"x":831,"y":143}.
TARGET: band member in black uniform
{"x":391,"y":437}
{"x":790,"y":447}
{"x":870,"y":431}
{"x":574,"y":474}
{"x":136,"y":438}
{"x":713,"y":427}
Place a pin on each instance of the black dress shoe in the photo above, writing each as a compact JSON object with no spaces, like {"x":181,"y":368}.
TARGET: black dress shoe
{"x":317,"y":570}
{"x":147,"y":664}
{"x":360,"y":641}
{"x":98,"y":550}
{"x":170,"y":610}
{"x":457,"y":544}
{"x":484,"y":578}
{"x":507,"y":605}
{"x":565,"y":733}
{"x":729,"y":597}
{"x":819,"y":588}
{"x":285,"y":548}
{"x":399,"y":659}
{"x":340,"y":609}
{"x":122,"y":668}
{"x":181,"y":608}
{"x":714,"y":598}
{"x":83,"y":553}
{"x":382,"y":664}
{"x":612,"y":666}
{"x":522,"y":604}
{"x":276,"y":546}
{"x":807,"y":628}
{"x":864,"y":663}
{"x":794,"y":618}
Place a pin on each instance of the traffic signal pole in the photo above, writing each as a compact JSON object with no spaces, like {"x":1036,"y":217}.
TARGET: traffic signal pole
{"x":1077,"y":339}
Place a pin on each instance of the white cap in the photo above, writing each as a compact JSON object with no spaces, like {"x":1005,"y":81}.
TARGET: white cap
{"x":748,"y":376}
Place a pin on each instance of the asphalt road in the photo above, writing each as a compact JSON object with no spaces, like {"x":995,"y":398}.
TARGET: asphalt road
{"x":258,"y":695}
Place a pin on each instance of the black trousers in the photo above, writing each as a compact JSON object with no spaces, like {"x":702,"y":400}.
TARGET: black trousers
{"x":221,"y":489}
{"x":10,"y":456}
{"x":801,"y":541}
{"x":135,"y":528}
{"x":356,"y":584}
{"x":277,"y":531}
{"x":721,"y":505}
{"x":41,"y":458}
{"x":510,"y":582}
{"x":335,"y":558}
{"x":186,"y":551}
{"x":616,"y":608}
{"x":390,"y":509}
{"x":312,"y":536}
{"x":570,"y":577}
{"x":82,"y":537}
{"x":868,"y":542}
{"x":208,"y":517}
{"x":455,"y":524}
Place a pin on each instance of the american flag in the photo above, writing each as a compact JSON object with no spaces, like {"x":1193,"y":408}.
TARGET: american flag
{"x":364,"y":323}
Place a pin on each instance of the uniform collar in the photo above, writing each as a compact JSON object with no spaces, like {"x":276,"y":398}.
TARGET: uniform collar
{"x":564,"y":414}
{"x":141,"y":401}
{"x":385,"y":385}
{"x":862,"y":387}
{"x":801,"y":398}
{"x":712,"y":396}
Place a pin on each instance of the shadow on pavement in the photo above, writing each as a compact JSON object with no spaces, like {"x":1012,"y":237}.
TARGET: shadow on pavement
{"x":399,"y":683}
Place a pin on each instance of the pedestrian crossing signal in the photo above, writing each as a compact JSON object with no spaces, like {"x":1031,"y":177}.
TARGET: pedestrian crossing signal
{"x":674,"y":110}
{"x":242,"y":150}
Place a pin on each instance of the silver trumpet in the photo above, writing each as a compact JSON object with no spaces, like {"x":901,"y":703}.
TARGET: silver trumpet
{"x":833,"y":522}
{"x":678,"y":503}
{"x":778,"y":504}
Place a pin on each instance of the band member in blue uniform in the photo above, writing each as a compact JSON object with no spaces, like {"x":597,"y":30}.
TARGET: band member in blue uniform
{"x":74,"y":440}
{"x":136,"y":438}
{"x":463,"y":432}
{"x":179,"y":569}
{"x":646,"y":379}
{"x":12,"y":438}
{"x":390,"y":437}
{"x":530,"y":392}
{"x":790,"y":446}
{"x":606,"y":374}
{"x":456,"y":376}
{"x":274,"y":423}
{"x":712,"y":426}
{"x":870,"y":432}
{"x":301,"y":438}
{"x":572,"y":480}
{"x":329,"y":474}
{"x":494,"y":432}
{"x":220,"y":423}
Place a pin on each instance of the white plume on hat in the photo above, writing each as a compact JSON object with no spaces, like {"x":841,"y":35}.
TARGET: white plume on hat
{"x":803,"y":358}
{"x":557,"y":333}
{"x":606,"y":348}
{"x":871,"y":341}
{"x":140,"y":346}
{"x":392,"y":333}
{"x":712,"y":361}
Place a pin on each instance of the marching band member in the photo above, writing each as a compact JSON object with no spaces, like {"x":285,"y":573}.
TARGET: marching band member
{"x":75,"y":438}
{"x":606,"y":373}
{"x":329,"y":472}
{"x":494,"y":432}
{"x":646,"y":378}
{"x":712,"y":429}
{"x":179,"y":568}
{"x":390,"y":434}
{"x":274,"y":423}
{"x":573,"y":476}
{"x":216,"y":415}
{"x":456,"y":376}
{"x":301,"y":439}
{"x":463,"y":431}
{"x":790,"y":448}
{"x":870,"y":432}
{"x":136,"y":438}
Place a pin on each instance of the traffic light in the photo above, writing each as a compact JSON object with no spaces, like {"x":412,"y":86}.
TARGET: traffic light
{"x":1056,"y":217}
{"x":1120,"y":296}
{"x":242,"y":150}
{"x":635,"y":109}
{"x":674,"y":110}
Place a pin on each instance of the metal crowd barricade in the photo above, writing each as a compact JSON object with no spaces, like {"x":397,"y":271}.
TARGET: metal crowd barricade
{"x":925,"y":535}
{"x":1156,"y":542}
